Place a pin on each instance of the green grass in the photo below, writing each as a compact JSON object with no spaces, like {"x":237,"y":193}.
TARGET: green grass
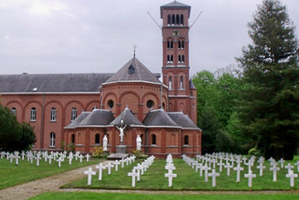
{"x":130,"y":196}
{"x":187,"y":179}
{"x":11,"y":175}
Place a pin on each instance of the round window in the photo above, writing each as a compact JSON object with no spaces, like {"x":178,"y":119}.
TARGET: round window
{"x":150,"y":103}
{"x":110,"y":104}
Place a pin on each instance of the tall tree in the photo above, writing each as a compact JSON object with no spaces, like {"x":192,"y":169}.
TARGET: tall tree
{"x":269,"y":111}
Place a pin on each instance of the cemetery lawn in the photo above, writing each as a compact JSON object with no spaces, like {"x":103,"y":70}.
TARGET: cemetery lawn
{"x":130,"y":196}
{"x":187,"y":179}
{"x":11,"y":175}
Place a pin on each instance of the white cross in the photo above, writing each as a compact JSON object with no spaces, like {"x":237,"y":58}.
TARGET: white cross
{"x":89,"y":174}
{"x":274,"y":168}
{"x":81,"y":157}
{"x":250,"y":176}
{"x":297,"y":164}
{"x":289,"y":167}
{"x":228,"y":166}
{"x":100,"y":167}
{"x":170,"y":176}
{"x":214,"y":175}
{"x":281,"y":161}
{"x":292,"y":176}
{"x":37,"y":160}
{"x":206,"y":169}
{"x":70,"y":157}
{"x":238,"y":169}
{"x":170,"y":167}
{"x":17,"y":159}
{"x":109,"y":166}
{"x":87,"y":157}
{"x":122,"y":163}
{"x":220,"y":164}
{"x":134,"y":175}
{"x":50,"y":159}
{"x":116,"y":164}
{"x":59,"y":161}
{"x":261,"y":167}
{"x":23,"y":154}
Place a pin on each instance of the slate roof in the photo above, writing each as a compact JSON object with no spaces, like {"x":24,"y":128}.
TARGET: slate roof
{"x":159,"y":118}
{"x":52,"y":82}
{"x":133,"y":71}
{"x":77,"y":121}
{"x":191,"y":84}
{"x":182,"y":120}
{"x":128,"y":119}
{"x":175,"y":5}
{"x":98,"y":117}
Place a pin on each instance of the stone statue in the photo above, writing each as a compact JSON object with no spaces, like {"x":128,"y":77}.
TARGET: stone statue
{"x":138,"y":142}
{"x":105,"y":142}
{"x":121,"y":132}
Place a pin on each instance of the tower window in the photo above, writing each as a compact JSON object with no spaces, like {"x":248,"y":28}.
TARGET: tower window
{"x":110,"y":104}
{"x":170,"y":82}
{"x":169,"y":20}
{"x":52,"y":139}
{"x":131,"y":70}
{"x":182,"y":20}
{"x":53,"y":114}
{"x":181,"y":82}
{"x":150,"y":104}
{"x":181,"y":58}
{"x":33,"y":114}
{"x":181,"y":44}
{"x":173,"y":20}
{"x":178,"y":19}
{"x":169,"y":58}
{"x":169,"y":44}
{"x":74,"y":113}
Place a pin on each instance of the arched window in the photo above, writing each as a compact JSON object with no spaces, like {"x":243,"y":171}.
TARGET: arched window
{"x":186,"y":140}
{"x":181,"y":44}
{"x":169,"y":44}
{"x":173,"y":20}
{"x":181,"y":82}
{"x":73,"y":138}
{"x":33,"y":114}
{"x":169,"y":20}
{"x":53,"y":114}
{"x":178,"y":19}
{"x":170,"y":82}
{"x":74,"y":113}
{"x":182,"y":20}
{"x":154,"y":139}
{"x":97,"y":138}
{"x":52,"y":139}
{"x":181,"y":58}
{"x":150,"y":104}
{"x":14,"y":111}
{"x":169,"y":58}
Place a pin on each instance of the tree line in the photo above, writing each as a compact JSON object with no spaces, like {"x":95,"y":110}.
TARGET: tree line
{"x":255,"y":108}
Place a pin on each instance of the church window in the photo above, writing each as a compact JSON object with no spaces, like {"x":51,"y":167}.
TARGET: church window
{"x":97,"y":138}
{"x":186,"y":140}
{"x":73,"y":138}
{"x":33,"y":114}
{"x":169,"y":58}
{"x":154,"y":139}
{"x":131,"y":70}
{"x":170,"y":82}
{"x":181,"y":82}
{"x":52,"y":139}
{"x":14,"y":111}
{"x":173,"y":20}
{"x":181,"y":44}
{"x":150,"y":104}
{"x":181,"y":58}
{"x":177,"y":19}
{"x":182,"y":20}
{"x":169,"y":20}
{"x":110,"y":104}
{"x":169,"y":44}
{"x":53,"y":114}
{"x":74,"y":113}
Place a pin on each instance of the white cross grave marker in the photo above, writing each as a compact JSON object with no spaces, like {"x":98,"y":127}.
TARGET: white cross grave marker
{"x":134,"y":175}
{"x":89,"y":174}
{"x":250,"y":176}
{"x":292,"y":176}
{"x":170,"y":176}
{"x":214,"y":175}
{"x":100,"y":167}
{"x":238,"y":169}
{"x":109,"y":166}
{"x":274,"y":168}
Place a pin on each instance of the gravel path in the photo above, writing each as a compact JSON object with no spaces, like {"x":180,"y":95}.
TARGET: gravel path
{"x":52,"y":183}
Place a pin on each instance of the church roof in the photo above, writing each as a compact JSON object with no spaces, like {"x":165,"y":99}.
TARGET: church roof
{"x":133,"y":71}
{"x":128,"y":119}
{"x":79,"y":119}
{"x":159,"y":118}
{"x":98,"y":117}
{"x":182,"y":120}
{"x":36,"y":83}
{"x":174,"y":5}
{"x":191,"y":84}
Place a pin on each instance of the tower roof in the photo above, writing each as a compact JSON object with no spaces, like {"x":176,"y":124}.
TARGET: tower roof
{"x":175,"y":5}
{"x":133,"y":71}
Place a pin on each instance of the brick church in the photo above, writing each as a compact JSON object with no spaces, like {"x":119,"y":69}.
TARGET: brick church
{"x":81,"y":109}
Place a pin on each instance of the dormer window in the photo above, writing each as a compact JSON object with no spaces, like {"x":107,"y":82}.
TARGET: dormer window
{"x":131,"y":70}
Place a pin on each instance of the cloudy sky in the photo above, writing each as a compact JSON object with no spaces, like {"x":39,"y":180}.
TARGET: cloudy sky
{"x":97,"y":36}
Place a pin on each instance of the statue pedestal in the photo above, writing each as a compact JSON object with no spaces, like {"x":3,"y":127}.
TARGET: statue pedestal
{"x":121,"y":149}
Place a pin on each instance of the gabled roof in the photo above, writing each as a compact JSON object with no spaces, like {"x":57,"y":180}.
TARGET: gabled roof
{"x":175,"y":5}
{"x":128,"y":119}
{"x":182,"y":120}
{"x":133,"y":71}
{"x":98,"y":117}
{"x":36,"y":83}
{"x":159,"y":118}
{"x":77,"y":121}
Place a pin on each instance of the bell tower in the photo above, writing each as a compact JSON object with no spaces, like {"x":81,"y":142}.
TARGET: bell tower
{"x":175,"y":69}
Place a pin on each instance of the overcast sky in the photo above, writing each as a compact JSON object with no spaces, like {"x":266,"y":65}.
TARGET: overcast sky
{"x":97,"y":36}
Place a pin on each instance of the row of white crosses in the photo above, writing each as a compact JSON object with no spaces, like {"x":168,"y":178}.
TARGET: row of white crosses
{"x":140,"y":169}
{"x":170,"y":167}
{"x":209,"y":162}
{"x":59,"y":157}
{"x":100,"y":167}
